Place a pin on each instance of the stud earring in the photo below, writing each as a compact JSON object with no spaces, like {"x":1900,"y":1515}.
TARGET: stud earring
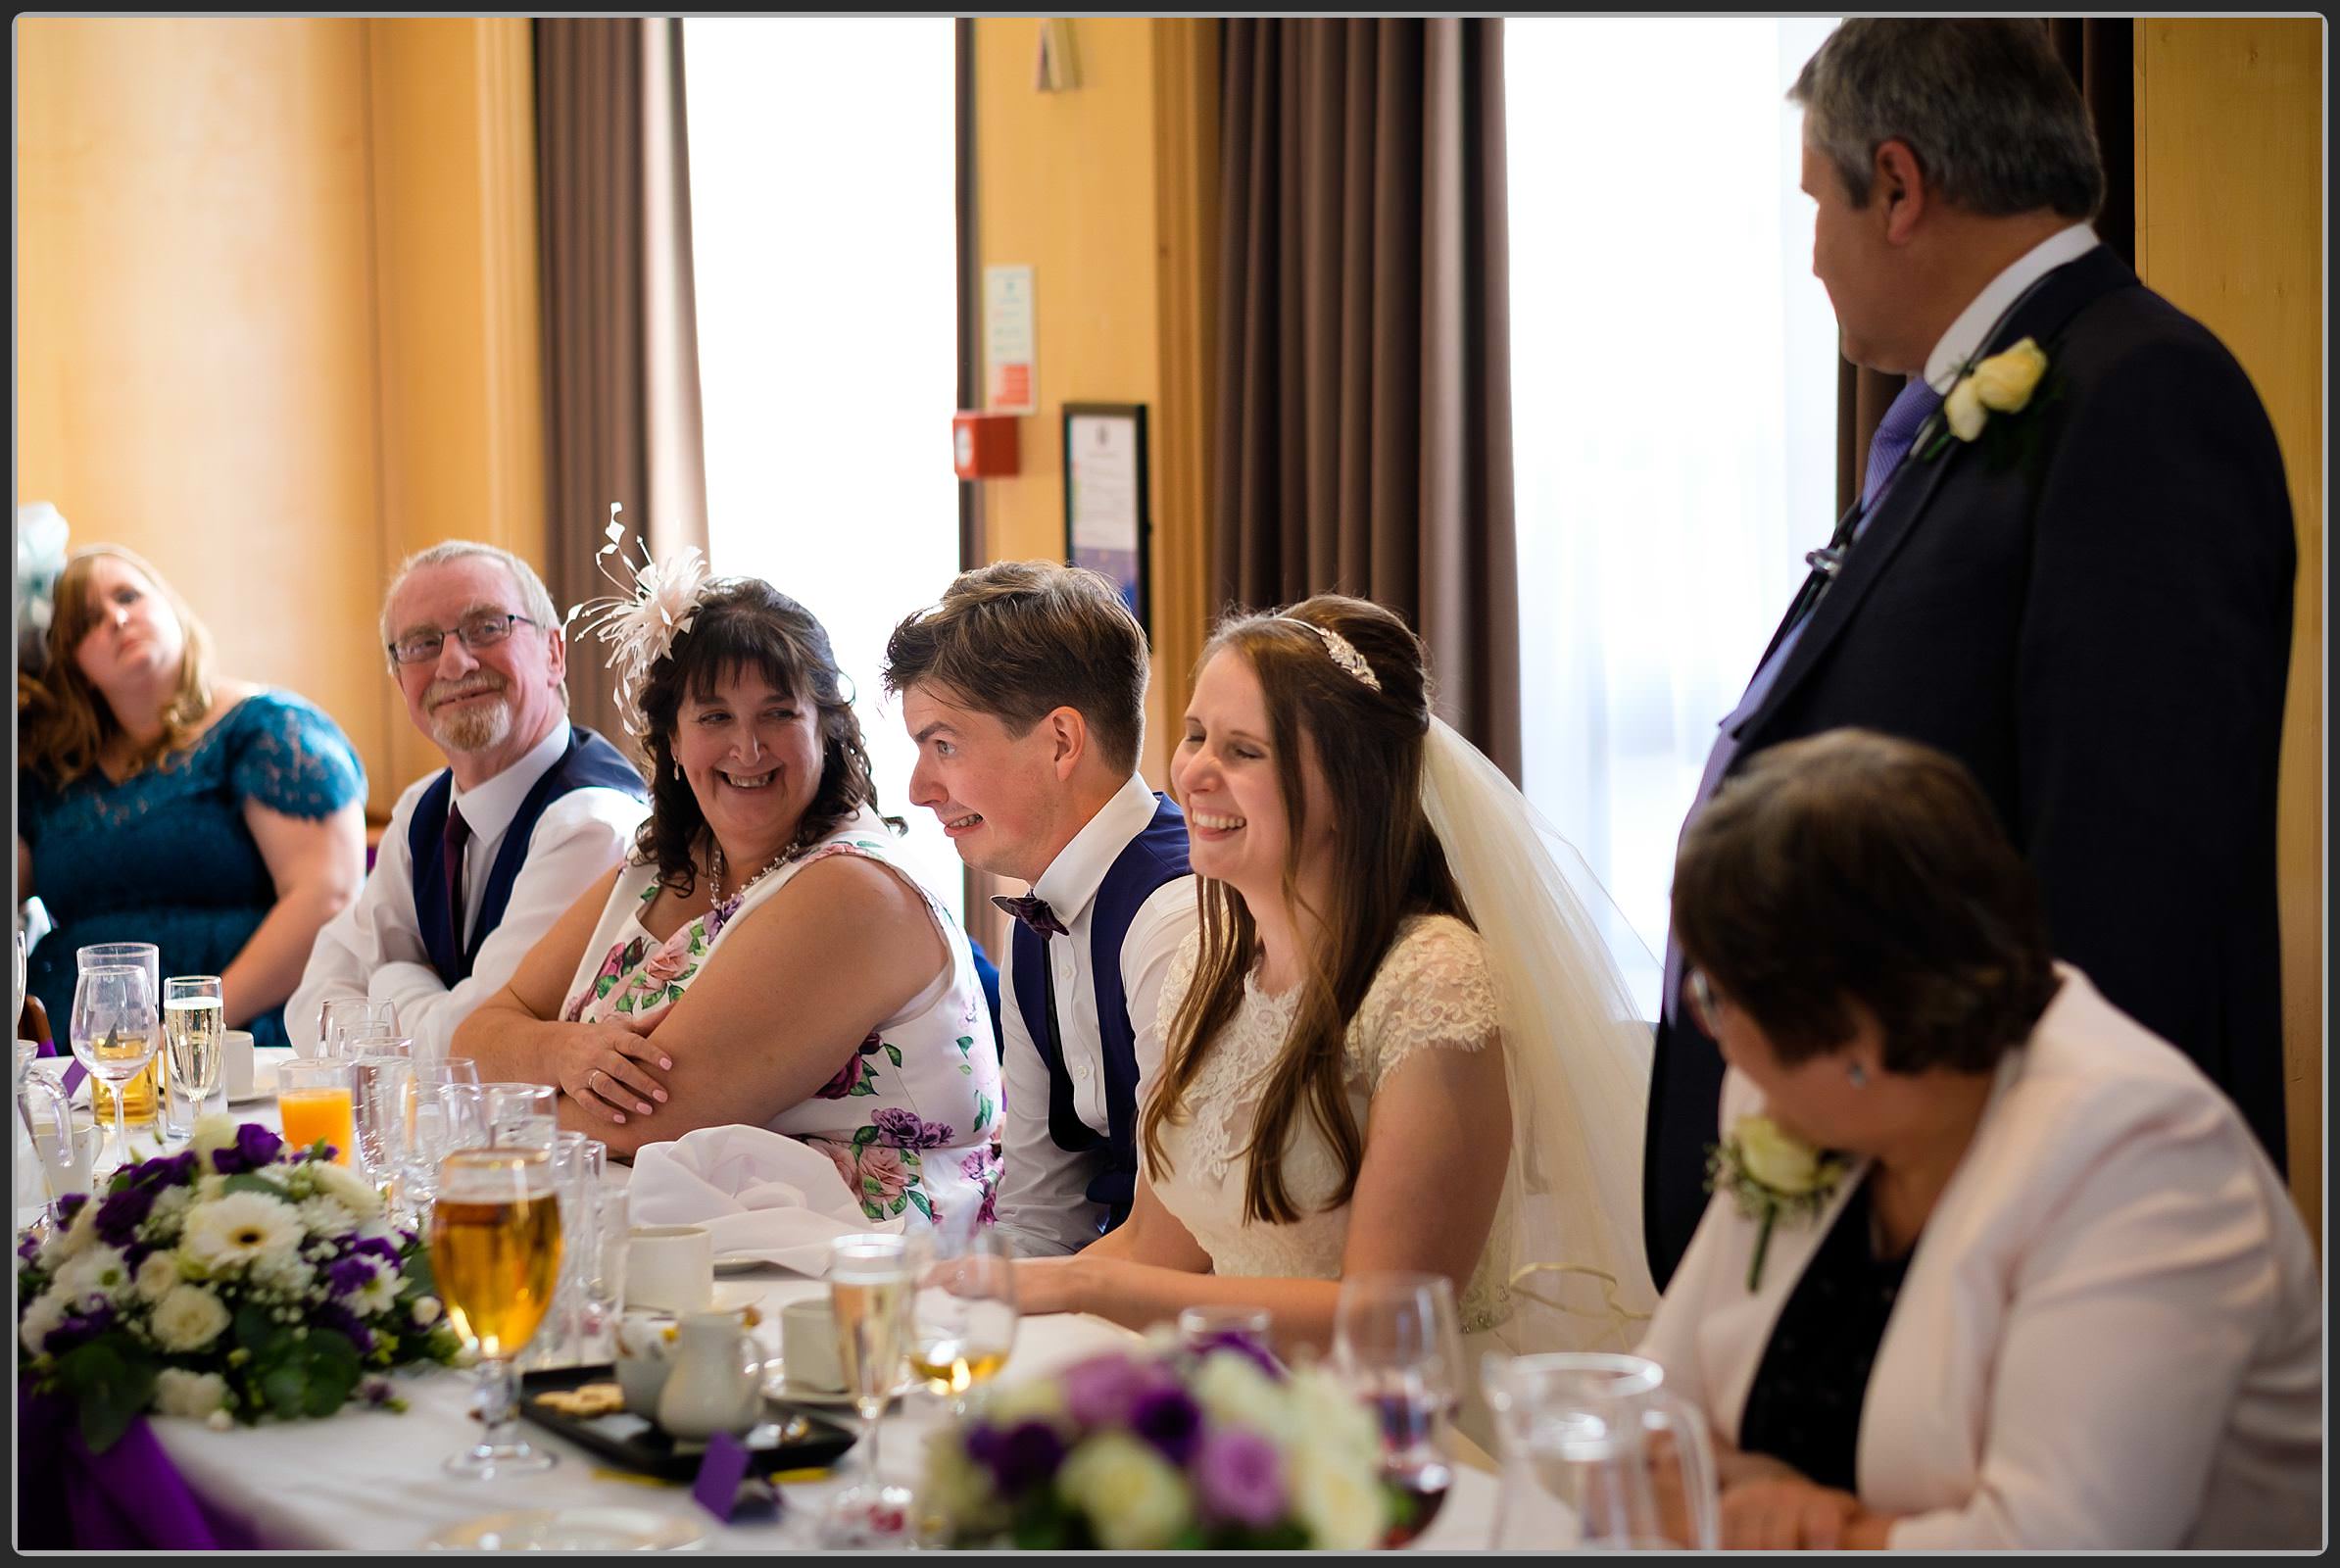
{"x":1858,"y":1074}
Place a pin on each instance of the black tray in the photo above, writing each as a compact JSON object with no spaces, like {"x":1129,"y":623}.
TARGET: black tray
{"x":634,"y":1443}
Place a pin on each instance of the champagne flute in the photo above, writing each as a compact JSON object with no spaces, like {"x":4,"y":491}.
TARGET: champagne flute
{"x":194,"y":1028}
{"x":963,"y":1316}
{"x":870,"y":1281}
{"x":114,"y":1034}
{"x":495,"y":1252}
{"x":1397,"y":1342}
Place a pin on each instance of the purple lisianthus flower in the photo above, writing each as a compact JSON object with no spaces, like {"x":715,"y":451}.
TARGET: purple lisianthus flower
{"x":255,"y":1146}
{"x":347,"y":1276}
{"x":122,"y":1212}
{"x":902,"y":1129}
{"x":1168,"y":1418}
{"x":341,"y":1320}
{"x":70,"y":1205}
{"x":380,"y":1247}
{"x":28,"y":1248}
{"x":1240,"y":1478}
{"x":1103,"y":1389}
{"x":1021,"y":1458}
{"x":78,"y":1327}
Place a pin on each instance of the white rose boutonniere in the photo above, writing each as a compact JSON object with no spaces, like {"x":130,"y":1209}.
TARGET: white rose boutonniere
{"x":1769,"y":1173}
{"x":2001,"y":384}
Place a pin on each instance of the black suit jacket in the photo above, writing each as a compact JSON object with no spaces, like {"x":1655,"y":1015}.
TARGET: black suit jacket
{"x":2100,"y":628}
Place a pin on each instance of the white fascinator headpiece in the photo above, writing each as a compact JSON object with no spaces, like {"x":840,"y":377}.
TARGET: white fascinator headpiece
{"x":641,"y":622}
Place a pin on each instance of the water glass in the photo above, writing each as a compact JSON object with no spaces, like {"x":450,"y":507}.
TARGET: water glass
{"x":871,"y":1278}
{"x":604,"y":1276}
{"x":114,"y":1031}
{"x":347,"y":1015}
{"x":445,"y":1118}
{"x":1204,"y":1328}
{"x":145,"y":1102}
{"x":316,"y":1100}
{"x":495,"y":1253}
{"x":520,"y":1113}
{"x":381,"y":1086}
{"x":1397,"y":1342}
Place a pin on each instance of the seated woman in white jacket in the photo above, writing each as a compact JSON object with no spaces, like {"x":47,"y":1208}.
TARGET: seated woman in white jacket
{"x":2048,"y":1293}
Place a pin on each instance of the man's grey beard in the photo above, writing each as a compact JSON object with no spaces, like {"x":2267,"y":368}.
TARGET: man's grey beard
{"x":472,"y":729}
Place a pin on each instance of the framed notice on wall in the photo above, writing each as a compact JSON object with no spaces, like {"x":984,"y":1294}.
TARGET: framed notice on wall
{"x":1106,"y":526}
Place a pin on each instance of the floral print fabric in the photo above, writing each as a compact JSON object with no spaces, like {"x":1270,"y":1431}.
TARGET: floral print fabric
{"x":912,"y":1116}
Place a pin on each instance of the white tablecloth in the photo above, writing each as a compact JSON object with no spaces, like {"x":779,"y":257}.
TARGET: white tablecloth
{"x":372,"y":1480}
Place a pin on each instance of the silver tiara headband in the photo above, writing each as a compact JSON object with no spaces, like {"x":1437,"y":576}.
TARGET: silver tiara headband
{"x":1343,"y":651}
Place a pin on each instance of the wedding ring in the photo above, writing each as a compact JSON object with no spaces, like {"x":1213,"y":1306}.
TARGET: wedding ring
{"x":591,"y":1076}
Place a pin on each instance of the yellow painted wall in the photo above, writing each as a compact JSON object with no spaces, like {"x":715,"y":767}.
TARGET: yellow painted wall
{"x":2230,"y":116}
{"x":276,"y":311}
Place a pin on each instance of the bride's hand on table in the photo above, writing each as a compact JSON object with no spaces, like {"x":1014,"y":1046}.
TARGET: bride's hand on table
{"x":607,"y":1068}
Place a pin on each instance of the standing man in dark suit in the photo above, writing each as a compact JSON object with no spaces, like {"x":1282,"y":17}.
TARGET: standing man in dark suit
{"x":2071,"y":565}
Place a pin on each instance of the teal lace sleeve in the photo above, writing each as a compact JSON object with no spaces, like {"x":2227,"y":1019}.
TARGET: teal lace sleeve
{"x":292,"y":758}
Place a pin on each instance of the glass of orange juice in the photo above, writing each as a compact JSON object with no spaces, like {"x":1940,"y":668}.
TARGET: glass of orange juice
{"x":316,"y":1100}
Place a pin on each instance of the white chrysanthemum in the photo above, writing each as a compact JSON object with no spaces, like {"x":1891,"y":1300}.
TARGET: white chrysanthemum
{"x":1338,"y":1500}
{"x":195,"y":1396}
{"x":1134,"y":1499}
{"x":1232,"y":1391}
{"x":97,"y":1274}
{"x":285,"y":1274}
{"x":239,"y":1230}
{"x":324,"y":1215}
{"x":40,"y":1320}
{"x":189,"y":1318}
{"x":157,"y":1275}
{"x":212,"y":1133}
{"x":348,"y":1189}
{"x":379,"y":1295}
{"x":426,"y":1310}
{"x":169,"y":1208}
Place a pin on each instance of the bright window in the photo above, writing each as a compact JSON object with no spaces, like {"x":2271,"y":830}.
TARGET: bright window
{"x":824,"y":235}
{"x":1674,"y":386}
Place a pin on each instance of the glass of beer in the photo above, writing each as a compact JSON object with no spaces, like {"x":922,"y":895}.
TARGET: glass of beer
{"x":194,"y":1029}
{"x":317,"y":1100}
{"x":114,"y":1030}
{"x":962,"y":1318}
{"x":495,"y":1253}
{"x":870,"y":1281}
{"x":141,"y":1095}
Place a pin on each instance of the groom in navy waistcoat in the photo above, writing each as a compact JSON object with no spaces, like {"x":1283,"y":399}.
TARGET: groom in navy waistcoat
{"x":1025,"y":692}
{"x":483,"y":856}
{"x":2071,"y":570}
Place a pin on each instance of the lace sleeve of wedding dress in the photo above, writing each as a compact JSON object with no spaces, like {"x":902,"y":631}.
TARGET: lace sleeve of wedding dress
{"x":1565,"y":1267}
{"x":1432,"y":992}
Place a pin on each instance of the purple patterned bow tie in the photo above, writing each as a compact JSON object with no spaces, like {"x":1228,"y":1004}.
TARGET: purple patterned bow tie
{"x":1034,"y":912}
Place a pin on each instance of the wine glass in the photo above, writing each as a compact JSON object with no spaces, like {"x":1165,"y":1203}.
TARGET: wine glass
{"x":432,"y":1132}
{"x":194,"y":1030}
{"x":344,"y":1016}
{"x":495,"y":1253}
{"x":871,"y":1281}
{"x":963,"y":1314}
{"x":1397,"y":1342}
{"x":114,"y":1035}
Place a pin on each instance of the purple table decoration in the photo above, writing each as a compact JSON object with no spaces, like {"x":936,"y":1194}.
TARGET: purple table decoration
{"x":129,"y":1499}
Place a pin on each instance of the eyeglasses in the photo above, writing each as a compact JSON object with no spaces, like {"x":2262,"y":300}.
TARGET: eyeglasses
{"x":476,"y":631}
{"x":1704,"y":1006}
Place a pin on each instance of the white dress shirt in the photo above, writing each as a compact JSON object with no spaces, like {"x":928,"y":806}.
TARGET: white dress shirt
{"x":1043,"y":1199}
{"x":1971,"y":330}
{"x":374,"y":947}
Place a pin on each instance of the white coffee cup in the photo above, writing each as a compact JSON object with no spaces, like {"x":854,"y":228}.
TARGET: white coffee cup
{"x":808,"y":1346}
{"x":671,"y":1269}
{"x":235,"y":1063}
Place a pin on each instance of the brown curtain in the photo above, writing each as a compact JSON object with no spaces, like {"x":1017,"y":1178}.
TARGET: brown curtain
{"x":1364,"y":363}
{"x":621,"y":331}
{"x":2096,"y":51}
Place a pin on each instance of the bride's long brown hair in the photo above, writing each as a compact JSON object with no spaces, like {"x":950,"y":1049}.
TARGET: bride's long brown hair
{"x":1386,"y":865}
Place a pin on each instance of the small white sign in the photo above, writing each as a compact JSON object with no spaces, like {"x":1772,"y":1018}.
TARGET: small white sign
{"x":1010,"y":379}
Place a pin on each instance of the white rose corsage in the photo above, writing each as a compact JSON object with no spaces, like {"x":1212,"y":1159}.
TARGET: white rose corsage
{"x":2003,"y":383}
{"x":1769,"y":1173}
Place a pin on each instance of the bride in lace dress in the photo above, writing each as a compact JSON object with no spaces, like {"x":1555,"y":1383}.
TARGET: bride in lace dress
{"x":1394,"y":1041}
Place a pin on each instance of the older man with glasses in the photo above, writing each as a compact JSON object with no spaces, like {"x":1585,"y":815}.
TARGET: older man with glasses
{"x":483,"y":856}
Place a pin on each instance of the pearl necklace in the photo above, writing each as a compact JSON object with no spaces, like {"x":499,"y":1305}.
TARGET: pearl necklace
{"x":715,"y":873}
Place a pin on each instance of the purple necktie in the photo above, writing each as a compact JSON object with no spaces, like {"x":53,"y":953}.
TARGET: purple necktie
{"x":1904,"y":415}
{"x":1034,"y":912}
{"x":450,"y":860}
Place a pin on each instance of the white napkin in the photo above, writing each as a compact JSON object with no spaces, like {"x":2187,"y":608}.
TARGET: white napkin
{"x":761,"y":1194}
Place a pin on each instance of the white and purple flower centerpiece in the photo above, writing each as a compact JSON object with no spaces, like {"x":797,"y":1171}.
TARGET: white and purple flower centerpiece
{"x":232,"y":1281}
{"x":1164,"y":1448}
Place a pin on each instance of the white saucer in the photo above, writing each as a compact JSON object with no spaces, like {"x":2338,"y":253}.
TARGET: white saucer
{"x":778,"y":1388}
{"x":594,"y":1529}
{"x":742,"y":1265}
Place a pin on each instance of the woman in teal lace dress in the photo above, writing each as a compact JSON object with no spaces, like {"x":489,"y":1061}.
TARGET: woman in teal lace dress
{"x":160,"y":803}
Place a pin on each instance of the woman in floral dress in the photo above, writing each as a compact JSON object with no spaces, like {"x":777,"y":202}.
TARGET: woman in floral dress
{"x":760,"y":959}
